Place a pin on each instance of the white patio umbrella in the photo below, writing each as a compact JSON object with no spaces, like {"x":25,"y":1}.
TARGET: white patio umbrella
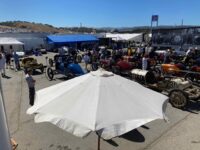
{"x":99,"y":101}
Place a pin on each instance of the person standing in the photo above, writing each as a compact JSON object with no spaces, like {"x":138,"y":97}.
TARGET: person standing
{"x":16,"y":61}
{"x":86,"y":59}
{"x":144,"y":62}
{"x":8,"y":59}
{"x":31,"y":85}
{"x":166,"y":57}
{"x":2,"y":65}
{"x":61,"y":50}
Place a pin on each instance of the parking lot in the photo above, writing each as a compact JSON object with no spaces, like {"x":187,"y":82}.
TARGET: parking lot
{"x":182,"y":132}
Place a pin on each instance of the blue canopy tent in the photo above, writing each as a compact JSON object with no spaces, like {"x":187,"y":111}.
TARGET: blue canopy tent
{"x":70,"y":39}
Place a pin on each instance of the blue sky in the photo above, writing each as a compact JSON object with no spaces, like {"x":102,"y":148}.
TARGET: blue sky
{"x":101,"y":13}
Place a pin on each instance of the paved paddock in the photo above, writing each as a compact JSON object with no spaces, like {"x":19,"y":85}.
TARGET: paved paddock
{"x":156,"y":135}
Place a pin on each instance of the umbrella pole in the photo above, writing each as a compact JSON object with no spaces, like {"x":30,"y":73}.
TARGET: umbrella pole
{"x":98,"y":143}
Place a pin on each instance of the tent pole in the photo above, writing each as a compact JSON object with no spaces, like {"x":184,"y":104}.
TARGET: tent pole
{"x":98,"y":143}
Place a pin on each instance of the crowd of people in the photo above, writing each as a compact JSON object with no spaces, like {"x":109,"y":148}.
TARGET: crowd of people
{"x":6,"y":57}
{"x":143,"y":57}
{"x":6,"y":60}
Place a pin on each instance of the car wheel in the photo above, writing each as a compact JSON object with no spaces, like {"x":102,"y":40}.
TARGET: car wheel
{"x":178,"y":98}
{"x":50,"y":74}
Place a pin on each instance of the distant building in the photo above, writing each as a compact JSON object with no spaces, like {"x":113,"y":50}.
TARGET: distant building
{"x":30,"y":40}
{"x":176,"y":36}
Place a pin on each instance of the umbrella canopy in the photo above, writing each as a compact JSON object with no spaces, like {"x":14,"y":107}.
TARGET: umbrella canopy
{"x":98,"y":101}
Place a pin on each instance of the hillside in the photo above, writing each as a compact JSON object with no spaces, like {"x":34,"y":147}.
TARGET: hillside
{"x":32,"y":27}
{"x":23,"y":26}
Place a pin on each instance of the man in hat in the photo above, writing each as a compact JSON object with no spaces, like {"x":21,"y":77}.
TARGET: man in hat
{"x":31,"y":85}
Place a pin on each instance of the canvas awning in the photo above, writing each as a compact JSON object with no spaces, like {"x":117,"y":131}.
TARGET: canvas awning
{"x":75,"y":38}
{"x":10,"y":41}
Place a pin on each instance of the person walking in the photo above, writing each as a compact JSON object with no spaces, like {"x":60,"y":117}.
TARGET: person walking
{"x":31,"y":85}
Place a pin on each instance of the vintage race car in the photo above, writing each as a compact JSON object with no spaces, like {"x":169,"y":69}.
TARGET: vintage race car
{"x":31,"y":63}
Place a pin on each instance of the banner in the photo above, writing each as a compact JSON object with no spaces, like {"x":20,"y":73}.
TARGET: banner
{"x":154,"y":18}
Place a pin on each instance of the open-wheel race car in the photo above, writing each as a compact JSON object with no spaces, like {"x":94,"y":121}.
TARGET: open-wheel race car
{"x":180,"y":91}
{"x":120,"y":67}
{"x":32,"y":64}
{"x":193,"y":75}
{"x":189,"y":73}
{"x":64,"y":65}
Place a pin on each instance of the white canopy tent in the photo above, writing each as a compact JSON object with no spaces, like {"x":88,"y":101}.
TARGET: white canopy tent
{"x":99,"y":101}
{"x":6,"y":43}
{"x":137,"y":37}
{"x":10,"y":41}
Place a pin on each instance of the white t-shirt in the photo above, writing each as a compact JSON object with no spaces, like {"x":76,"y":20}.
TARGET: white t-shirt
{"x":188,"y":52}
{"x":86,"y":59}
{"x":30,"y":81}
{"x":61,"y":51}
{"x":144,"y":63}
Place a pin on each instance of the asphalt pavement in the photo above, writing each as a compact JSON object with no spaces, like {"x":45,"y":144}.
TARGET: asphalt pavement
{"x":181,"y":133}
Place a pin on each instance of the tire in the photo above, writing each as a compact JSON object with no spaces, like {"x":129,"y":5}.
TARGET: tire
{"x":190,"y":77}
{"x":178,"y":98}
{"x":50,"y":74}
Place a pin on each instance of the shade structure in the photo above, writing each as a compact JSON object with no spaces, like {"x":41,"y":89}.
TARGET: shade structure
{"x":98,"y":101}
{"x":10,"y":41}
{"x":71,"y":38}
{"x":137,"y":37}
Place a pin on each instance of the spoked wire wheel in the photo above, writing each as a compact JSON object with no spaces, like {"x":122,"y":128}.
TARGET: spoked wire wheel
{"x":178,"y":98}
{"x":49,"y":74}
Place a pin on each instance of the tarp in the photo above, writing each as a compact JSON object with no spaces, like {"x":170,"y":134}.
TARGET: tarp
{"x":10,"y":41}
{"x":98,"y":101}
{"x":73,"y":38}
